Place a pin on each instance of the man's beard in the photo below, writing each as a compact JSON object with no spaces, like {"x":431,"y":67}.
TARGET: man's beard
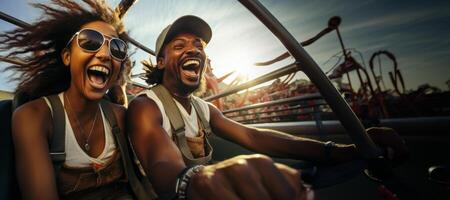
{"x":201,"y":88}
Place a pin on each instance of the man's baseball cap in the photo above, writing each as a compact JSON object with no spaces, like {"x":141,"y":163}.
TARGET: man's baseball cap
{"x":185,"y":24}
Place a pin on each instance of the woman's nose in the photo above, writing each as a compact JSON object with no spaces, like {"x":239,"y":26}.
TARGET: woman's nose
{"x":103,"y":53}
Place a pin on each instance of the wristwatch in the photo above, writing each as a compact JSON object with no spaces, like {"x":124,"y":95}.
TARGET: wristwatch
{"x":183,"y":180}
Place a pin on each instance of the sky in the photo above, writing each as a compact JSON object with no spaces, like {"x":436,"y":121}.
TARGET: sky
{"x":416,"y":32}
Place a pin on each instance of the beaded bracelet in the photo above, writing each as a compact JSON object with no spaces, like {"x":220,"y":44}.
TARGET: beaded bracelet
{"x":183,"y":180}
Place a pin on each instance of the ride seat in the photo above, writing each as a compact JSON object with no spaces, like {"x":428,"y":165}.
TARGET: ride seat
{"x":8,"y":182}
{"x":9,"y":188}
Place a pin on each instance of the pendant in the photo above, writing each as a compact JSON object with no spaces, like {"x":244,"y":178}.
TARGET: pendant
{"x":87,"y":147}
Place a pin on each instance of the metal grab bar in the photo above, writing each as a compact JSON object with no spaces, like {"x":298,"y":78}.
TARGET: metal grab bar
{"x":137,"y":44}
{"x":22,"y":24}
{"x":297,"y":107}
{"x":415,"y":126}
{"x":277,"y":102}
{"x":343,"y":111}
{"x":13,"y":20}
{"x":256,"y":119}
{"x":269,"y":111}
{"x":262,"y":79}
{"x":333,"y":23}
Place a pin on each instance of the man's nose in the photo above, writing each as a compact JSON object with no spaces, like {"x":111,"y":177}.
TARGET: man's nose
{"x":193,"y":50}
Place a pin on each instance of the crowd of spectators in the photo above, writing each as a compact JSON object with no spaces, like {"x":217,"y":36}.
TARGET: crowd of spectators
{"x":277,"y":90}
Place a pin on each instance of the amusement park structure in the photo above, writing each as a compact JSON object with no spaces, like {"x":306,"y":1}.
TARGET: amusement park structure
{"x":372,"y":101}
{"x":314,"y":107}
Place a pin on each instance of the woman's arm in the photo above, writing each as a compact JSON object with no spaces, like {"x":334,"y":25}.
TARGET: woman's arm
{"x":31,"y":125}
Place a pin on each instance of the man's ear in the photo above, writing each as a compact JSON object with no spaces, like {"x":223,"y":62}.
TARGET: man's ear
{"x":65,"y":56}
{"x":160,"y":63}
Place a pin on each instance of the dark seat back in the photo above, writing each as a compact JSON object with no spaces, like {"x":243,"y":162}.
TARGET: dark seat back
{"x":8,"y":181}
{"x":19,"y":99}
{"x":9,"y":188}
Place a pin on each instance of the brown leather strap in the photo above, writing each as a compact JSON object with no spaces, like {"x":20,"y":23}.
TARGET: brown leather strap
{"x":140,"y":190}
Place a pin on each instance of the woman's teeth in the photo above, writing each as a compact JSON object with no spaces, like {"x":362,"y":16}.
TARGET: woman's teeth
{"x":100,"y":69}
{"x":98,"y":76}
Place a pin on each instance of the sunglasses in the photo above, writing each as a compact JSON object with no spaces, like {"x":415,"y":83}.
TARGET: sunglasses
{"x":92,"y":41}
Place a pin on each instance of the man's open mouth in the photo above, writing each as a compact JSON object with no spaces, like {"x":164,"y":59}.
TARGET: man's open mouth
{"x":98,"y":76}
{"x":191,"y":68}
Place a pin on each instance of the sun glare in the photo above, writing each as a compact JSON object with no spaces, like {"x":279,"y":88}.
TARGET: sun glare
{"x":243,"y":70}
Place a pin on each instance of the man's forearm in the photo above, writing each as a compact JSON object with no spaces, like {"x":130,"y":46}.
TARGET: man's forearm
{"x":280,"y":144}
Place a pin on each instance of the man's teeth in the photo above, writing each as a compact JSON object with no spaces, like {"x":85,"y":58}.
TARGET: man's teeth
{"x":101,"y":69}
{"x":191,"y":62}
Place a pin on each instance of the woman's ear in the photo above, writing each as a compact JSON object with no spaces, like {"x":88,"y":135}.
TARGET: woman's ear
{"x":65,"y":56}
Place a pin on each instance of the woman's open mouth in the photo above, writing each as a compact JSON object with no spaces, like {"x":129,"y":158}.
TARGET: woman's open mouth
{"x":98,"y":76}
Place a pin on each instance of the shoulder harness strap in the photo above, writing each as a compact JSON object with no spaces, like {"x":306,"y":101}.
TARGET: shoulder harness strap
{"x":172,"y":111}
{"x":200,"y":113}
{"x":177,"y":124}
{"x":138,"y":188}
{"x":57,"y":146}
{"x":206,"y":128}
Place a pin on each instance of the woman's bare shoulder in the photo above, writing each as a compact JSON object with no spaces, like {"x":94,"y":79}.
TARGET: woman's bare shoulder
{"x":36,"y":109}
{"x":32,"y":117}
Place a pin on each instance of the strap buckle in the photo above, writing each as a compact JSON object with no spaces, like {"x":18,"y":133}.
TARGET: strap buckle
{"x":58,"y":156}
{"x":179,"y":131}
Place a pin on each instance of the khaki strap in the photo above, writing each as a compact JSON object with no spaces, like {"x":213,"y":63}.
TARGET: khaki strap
{"x":206,"y":128}
{"x":200,"y":112}
{"x":177,"y":125}
{"x":139,"y":189}
{"x":176,"y":121}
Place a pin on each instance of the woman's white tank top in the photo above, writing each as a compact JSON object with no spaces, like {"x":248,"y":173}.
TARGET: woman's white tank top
{"x":75,"y":156}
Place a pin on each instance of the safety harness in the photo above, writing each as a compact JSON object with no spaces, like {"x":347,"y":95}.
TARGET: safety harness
{"x":140,"y":185}
{"x":177,"y":126}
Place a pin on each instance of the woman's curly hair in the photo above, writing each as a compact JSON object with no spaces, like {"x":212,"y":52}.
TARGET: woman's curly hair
{"x":41,"y":44}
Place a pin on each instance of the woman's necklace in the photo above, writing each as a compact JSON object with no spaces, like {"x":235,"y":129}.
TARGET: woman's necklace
{"x":86,"y":143}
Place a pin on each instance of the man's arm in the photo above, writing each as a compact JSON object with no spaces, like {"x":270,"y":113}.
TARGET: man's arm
{"x":157,"y":153}
{"x":31,"y":124}
{"x":248,"y":177}
{"x":280,"y":144}
{"x":276,"y":143}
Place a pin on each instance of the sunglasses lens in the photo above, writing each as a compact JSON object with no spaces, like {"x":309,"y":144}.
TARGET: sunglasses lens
{"x":118,"y":48}
{"x":90,"y":40}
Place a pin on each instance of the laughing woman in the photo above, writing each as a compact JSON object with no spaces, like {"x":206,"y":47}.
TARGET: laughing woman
{"x":74,"y":53}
